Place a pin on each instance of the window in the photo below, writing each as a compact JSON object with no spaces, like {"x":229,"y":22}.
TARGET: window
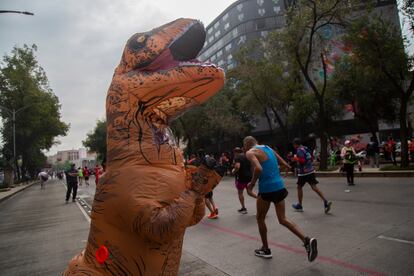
{"x":260,"y":24}
{"x":242,"y":40}
{"x":261,"y":12}
{"x":241,"y":16}
{"x":230,"y":66}
{"x":211,"y":39}
{"x":226,"y":16}
{"x":209,"y":31}
{"x":220,"y":63}
{"x":239,"y":7}
{"x":276,"y":9}
{"x":229,"y":58}
{"x":234,"y":32}
{"x":213,"y":58}
{"x":216,"y":25}
{"x":226,"y":26}
{"x":228,"y":47}
{"x":205,"y":44}
{"x":276,"y":1}
{"x":260,"y":2}
{"x":219,"y":53}
{"x":217,"y":34}
{"x":264,"y":33}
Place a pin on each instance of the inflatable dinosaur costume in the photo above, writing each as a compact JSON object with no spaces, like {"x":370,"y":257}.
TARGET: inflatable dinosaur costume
{"x":147,"y":197}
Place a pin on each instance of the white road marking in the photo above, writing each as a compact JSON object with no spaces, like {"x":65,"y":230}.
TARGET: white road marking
{"x":394,"y":239}
{"x":80,"y":207}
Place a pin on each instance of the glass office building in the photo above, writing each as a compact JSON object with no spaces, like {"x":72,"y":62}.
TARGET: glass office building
{"x":242,"y":21}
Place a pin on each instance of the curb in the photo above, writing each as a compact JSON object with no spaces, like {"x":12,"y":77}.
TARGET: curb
{"x":368,"y":174}
{"x":17,"y":191}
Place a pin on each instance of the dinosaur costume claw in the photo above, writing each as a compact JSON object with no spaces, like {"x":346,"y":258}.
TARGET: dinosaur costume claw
{"x":147,"y":197}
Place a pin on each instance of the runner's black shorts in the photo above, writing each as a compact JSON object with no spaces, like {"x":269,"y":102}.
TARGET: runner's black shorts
{"x":209,"y":195}
{"x":309,"y":178}
{"x":86,"y":177}
{"x":274,"y":197}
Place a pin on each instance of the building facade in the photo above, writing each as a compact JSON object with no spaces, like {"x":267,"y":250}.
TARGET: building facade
{"x":80,"y":157}
{"x":246,"y":20}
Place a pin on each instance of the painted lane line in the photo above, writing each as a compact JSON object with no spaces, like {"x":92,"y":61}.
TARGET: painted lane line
{"x":394,"y":239}
{"x":88,"y":219}
{"x":296,"y":250}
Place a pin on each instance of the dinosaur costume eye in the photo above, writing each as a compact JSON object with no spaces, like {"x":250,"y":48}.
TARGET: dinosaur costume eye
{"x":138,"y":42}
{"x":141,"y":39}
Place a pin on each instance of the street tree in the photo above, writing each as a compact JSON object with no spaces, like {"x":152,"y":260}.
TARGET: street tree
{"x":25,"y":91}
{"x":265,"y":84}
{"x":370,"y":97}
{"x":96,"y":139}
{"x":307,"y":47}
{"x":379,"y":47}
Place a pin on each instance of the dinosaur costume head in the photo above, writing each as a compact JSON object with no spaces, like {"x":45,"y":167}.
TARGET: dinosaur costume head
{"x":147,"y":197}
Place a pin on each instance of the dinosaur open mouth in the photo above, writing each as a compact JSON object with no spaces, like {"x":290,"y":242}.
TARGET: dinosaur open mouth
{"x":182,"y":51}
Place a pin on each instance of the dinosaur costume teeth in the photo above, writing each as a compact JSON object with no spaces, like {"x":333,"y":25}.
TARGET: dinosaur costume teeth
{"x":147,"y":197}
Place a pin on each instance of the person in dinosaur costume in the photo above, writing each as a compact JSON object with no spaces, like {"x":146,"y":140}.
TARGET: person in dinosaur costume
{"x":147,"y":197}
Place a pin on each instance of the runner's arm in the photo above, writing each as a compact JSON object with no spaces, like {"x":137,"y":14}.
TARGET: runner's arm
{"x":257,"y":168}
{"x":281,"y":160}
{"x":236,"y":167}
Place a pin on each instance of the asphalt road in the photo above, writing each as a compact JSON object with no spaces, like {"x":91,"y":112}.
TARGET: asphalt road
{"x":369,"y":232}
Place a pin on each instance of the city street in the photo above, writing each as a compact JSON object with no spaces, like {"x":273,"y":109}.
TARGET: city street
{"x":369,"y":232}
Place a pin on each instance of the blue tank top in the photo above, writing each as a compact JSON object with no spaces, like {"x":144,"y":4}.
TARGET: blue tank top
{"x":270,"y":179}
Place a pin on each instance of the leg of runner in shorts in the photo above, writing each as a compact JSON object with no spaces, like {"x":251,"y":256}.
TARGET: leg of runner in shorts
{"x":262,"y":209}
{"x":298,"y":206}
{"x":327,"y":204}
{"x":309,"y":243}
{"x":241,"y":199}
{"x":211,"y":207}
{"x":69,"y":186}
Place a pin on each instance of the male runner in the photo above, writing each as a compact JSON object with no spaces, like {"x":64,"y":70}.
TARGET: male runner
{"x":243,"y":175}
{"x":271,"y":189}
{"x":306,"y":173}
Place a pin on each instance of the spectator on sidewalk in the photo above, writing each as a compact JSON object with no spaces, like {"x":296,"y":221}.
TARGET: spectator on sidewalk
{"x":391,"y":146}
{"x":348,"y":155}
{"x":72,"y":182}
{"x":411,"y":149}
{"x":373,"y":152}
{"x":80,"y":175}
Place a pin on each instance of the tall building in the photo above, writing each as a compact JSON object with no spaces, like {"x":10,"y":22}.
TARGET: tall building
{"x":242,"y":21}
{"x":246,"y":20}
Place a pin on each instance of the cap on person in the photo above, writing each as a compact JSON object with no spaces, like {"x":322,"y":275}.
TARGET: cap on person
{"x":347,"y":142}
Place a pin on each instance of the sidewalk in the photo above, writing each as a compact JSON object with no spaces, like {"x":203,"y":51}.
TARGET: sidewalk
{"x":5,"y":194}
{"x":367,"y":172}
{"x":40,"y":233}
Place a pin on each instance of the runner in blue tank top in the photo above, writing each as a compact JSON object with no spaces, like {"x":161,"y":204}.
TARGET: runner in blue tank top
{"x":271,"y":189}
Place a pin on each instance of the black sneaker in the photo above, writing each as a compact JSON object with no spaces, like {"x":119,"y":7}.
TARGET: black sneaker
{"x":242,"y":210}
{"x":264,"y":253}
{"x":311,"y":247}
{"x":328,"y":206}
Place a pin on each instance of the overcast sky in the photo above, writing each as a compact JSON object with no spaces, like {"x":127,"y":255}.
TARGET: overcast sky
{"x":80,"y":43}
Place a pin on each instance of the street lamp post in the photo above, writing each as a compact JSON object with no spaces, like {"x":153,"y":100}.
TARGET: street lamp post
{"x":13,"y":113}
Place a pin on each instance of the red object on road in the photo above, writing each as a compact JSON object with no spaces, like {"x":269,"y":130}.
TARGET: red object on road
{"x":102,"y":254}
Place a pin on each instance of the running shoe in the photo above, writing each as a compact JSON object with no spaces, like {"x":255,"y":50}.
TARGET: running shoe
{"x":212,"y":216}
{"x":242,"y":210}
{"x":311,"y":246}
{"x":264,"y":253}
{"x":297,"y":207}
{"x":328,"y":206}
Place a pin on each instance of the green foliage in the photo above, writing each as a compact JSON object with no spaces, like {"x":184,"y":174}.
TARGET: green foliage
{"x":24,"y":88}
{"x":378,"y":47}
{"x":96,"y":139}
{"x":213,"y":123}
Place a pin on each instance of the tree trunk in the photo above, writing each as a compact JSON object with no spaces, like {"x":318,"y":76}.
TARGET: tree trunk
{"x":324,"y":151}
{"x":404,"y":133}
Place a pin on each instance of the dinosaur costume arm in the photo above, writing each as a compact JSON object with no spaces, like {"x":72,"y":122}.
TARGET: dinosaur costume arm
{"x":160,"y":222}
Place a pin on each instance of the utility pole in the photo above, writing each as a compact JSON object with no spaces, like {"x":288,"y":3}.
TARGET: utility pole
{"x":13,"y":113}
